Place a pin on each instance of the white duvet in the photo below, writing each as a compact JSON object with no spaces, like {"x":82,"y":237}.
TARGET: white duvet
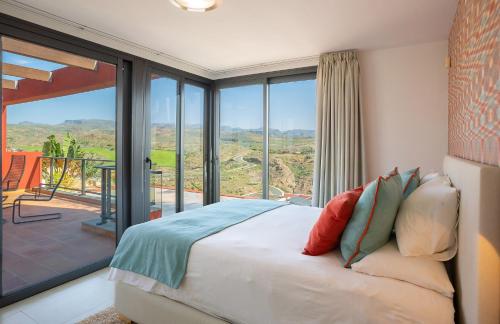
{"x":254,"y":272}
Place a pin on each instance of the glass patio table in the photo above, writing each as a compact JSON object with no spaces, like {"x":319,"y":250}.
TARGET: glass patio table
{"x":106,"y":197}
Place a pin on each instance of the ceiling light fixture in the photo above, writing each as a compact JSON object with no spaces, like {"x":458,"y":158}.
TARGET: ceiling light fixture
{"x":196,"y":5}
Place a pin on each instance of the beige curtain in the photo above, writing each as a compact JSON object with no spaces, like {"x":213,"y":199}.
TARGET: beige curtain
{"x":339,"y":145}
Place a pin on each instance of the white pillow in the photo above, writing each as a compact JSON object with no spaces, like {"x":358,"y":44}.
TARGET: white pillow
{"x":427,"y":219}
{"x":421,"y":271}
{"x":437,"y":179}
{"x":429,"y":177}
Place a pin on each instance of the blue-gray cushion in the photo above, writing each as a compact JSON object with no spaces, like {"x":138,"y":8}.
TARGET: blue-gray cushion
{"x":410,"y":180}
{"x":373,"y":218}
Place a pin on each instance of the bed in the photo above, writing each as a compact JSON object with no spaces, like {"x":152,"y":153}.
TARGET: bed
{"x":254,"y":272}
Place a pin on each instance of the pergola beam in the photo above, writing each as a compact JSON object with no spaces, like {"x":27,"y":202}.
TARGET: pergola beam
{"x":26,"y":72}
{"x":41,"y":52}
{"x":9,"y":84}
{"x":66,"y":81}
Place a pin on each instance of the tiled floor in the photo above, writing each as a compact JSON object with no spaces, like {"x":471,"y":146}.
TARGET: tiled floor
{"x":37,"y":251}
{"x":69,"y":303}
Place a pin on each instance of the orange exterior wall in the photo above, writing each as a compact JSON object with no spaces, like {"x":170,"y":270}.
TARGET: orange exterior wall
{"x":32,"y":171}
{"x":4,"y":131}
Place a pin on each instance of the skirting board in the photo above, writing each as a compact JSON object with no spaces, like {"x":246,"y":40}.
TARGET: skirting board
{"x":145,"y":308}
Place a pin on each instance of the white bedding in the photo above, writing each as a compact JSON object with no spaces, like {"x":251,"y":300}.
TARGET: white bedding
{"x":254,"y":272}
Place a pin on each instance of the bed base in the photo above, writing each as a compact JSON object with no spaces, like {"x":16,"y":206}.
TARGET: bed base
{"x":145,"y":308}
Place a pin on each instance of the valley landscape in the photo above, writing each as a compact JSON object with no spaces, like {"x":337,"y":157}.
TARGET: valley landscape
{"x":291,"y":154}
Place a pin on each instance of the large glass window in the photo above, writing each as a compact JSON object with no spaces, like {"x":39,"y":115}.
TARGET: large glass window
{"x":241,"y":142}
{"x":292,"y":121}
{"x":288,"y":117}
{"x":58,"y":163}
{"x":194,"y":109}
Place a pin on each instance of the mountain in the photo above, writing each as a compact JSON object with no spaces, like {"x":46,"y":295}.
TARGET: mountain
{"x":74,"y":122}
{"x":27,"y":123}
{"x":90,"y":123}
{"x":292,"y":133}
{"x":272,"y":132}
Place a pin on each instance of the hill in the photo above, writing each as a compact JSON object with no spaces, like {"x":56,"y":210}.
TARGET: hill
{"x":291,"y":153}
{"x":94,"y":135}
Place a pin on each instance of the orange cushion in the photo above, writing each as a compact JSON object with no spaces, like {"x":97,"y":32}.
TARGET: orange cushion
{"x":326,"y":233}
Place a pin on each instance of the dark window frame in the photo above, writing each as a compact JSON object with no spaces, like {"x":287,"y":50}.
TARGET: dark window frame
{"x":264,"y":79}
{"x":130,"y":93}
{"x":131,"y":100}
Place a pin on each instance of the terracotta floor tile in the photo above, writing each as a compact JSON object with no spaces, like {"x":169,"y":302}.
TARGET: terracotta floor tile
{"x":38,"y":251}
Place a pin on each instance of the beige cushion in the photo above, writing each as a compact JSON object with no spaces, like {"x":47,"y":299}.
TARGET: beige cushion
{"x":428,"y":177}
{"x":421,"y":271}
{"x":427,"y":219}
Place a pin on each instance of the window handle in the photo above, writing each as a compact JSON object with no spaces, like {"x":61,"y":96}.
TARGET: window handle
{"x":148,"y":161}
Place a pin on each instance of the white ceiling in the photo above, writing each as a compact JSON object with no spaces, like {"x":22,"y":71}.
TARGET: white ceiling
{"x":249,"y":33}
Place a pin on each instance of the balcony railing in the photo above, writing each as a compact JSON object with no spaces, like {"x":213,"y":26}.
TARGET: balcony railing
{"x":83,"y":175}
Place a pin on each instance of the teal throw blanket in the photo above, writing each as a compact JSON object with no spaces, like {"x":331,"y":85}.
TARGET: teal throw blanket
{"x":159,"y":249}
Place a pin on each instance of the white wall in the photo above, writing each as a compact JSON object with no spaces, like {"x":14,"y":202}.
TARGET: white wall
{"x":404,"y":93}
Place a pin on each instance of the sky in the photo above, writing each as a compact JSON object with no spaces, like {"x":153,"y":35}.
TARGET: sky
{"x":292,"y":104}
{"x":163,"y":101}
{"x":28,"y":62}
{"x":98,"y":104}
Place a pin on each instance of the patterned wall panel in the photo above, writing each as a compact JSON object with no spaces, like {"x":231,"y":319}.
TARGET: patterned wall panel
{"x":474,"y":84}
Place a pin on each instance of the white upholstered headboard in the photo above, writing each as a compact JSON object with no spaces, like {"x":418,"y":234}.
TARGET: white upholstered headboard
{"x":477,"y":272}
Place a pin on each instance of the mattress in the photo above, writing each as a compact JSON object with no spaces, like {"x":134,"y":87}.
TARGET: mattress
{"x":254,"y":272}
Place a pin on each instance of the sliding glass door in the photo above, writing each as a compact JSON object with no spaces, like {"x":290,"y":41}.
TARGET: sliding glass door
{"x":161,"y":160}
{"x":59,"y":161}
{"x":175,"y":134}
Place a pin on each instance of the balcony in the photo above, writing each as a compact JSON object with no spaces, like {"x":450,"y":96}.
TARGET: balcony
{"x":48,"y":94}
{"x":85,"y":233}
{"x":35,"y":252}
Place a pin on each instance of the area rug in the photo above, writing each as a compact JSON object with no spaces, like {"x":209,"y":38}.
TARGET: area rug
{"x":107,"y":316}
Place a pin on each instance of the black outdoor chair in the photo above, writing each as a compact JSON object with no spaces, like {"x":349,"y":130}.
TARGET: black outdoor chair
{"x":38,"y":196}
{"x":16,"y":170}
